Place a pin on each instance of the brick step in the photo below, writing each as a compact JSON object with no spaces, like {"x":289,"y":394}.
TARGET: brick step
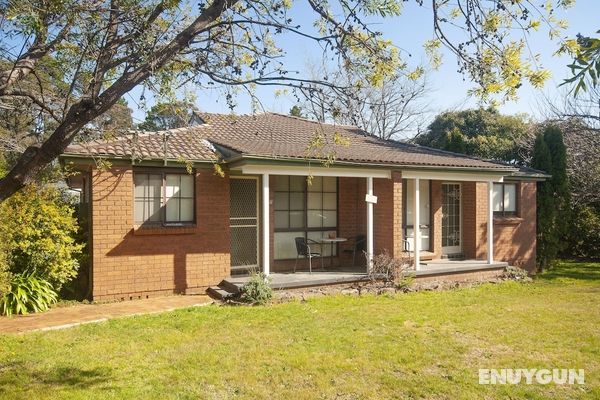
{"x":225,"y":290}
{"x":219,"y":294}
{"x":230,"y":286}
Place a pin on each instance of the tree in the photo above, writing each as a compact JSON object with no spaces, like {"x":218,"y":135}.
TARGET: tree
{"x":583,"y":159}
{"x":296,"y":111}
{"x":585,"y":68}
{"x":169,"y":115}
{"x":553,"y":195}
{"x":480,"y":132}
{"x":116,"y":121}
{"x":559,"y":181}
{"x":547,"y":240}
{"x":38,"y":230}
{"x":388,"y":110}
{"x":583,"y":238}
{"x":584,"y":108}
{"x":106,"y":48}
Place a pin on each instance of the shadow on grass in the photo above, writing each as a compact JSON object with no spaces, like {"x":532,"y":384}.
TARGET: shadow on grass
{"x":579,"y":270}
{"x":16,"y":374}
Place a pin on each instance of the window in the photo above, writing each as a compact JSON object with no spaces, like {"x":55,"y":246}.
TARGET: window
{"x":505,"y":198}
{"x":304,"y":210}
{"x":166,"y":198}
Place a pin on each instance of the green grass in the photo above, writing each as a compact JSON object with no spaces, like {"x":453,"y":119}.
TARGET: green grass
{"x":420,"y":345}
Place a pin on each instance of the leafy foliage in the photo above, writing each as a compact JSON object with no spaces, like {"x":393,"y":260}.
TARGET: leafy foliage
{"x":296,"y":111}
{"x":89,"y":54}
{"x":28,"y":293}
{"x":583,"y":236}
{"x":552,"y":195}
{"x":480,"y":132}
{"x":168,"y":115}
{"x":586,"y":62}
{"x":4,"y":273}
{"x":257,"y":290}
{"x":554,"y":140}
{"x":38,"y":228}
{"x":515,"y":273}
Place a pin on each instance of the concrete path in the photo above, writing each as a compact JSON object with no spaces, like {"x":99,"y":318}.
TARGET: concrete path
{"x":65,"y":317}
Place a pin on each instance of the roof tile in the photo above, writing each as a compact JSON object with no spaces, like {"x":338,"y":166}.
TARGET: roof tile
{"x":275,"y":135}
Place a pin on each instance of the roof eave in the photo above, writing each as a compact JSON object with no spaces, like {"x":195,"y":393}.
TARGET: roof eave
{"x":251,"y":157}
{"x":110,"y":157}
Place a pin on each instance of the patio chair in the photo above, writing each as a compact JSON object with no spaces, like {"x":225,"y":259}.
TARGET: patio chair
{"x":359,"y":245}
{"x":303,"y":249}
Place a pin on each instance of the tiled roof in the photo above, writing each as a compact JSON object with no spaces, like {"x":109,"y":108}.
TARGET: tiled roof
{"x":278,"y":136}
{"x":182,"y":143}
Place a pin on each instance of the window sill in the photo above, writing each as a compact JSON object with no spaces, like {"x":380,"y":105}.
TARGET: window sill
{"x":501,"y":220}
{"x":179,"y":229}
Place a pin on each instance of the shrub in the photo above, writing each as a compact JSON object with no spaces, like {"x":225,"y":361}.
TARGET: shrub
{"x":4,"y":274}
{"x":39,"y":231}
{"x":257,"y":290}
{"x":389,"y":269}
{"x":27,"y":293}
{"x":515,"y":273}
{"x":583,"y":239}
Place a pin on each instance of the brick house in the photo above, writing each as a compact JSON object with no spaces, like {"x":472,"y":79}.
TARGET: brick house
{"x":180,"y":210}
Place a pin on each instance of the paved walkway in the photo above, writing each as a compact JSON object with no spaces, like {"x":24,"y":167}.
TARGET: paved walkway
{"x":64,"y":317}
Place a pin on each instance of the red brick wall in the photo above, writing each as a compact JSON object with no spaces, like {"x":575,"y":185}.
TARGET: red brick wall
{"x":474,"y":214}
{"x":515,"y":238}
{"x":436,"y":218}
{"x":383,"y":216}
{"x":397,"y":232}
{"x":133,"y":264}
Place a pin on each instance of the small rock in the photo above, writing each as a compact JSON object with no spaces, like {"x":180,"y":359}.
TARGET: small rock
{"x":386,"y":290}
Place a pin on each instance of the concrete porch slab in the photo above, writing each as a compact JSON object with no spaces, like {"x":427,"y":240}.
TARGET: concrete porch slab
{"x":439,"y":267}
{"x":290,"y":280}
{"x":305,"y":279}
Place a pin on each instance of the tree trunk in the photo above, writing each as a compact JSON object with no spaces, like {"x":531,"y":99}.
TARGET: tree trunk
{"x":36,"y":158}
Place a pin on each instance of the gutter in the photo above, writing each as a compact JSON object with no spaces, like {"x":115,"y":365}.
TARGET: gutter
{"x":242,"y":157}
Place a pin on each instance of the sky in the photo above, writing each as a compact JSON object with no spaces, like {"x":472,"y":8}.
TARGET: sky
{"x":448,"y":88}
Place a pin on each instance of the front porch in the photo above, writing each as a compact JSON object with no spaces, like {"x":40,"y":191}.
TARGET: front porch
{"x":453,"y":210}
{"x":451,"y":270}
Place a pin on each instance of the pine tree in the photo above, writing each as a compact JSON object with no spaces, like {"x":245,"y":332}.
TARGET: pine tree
{"x":553,"y":199}
{"x":560,"y":184}
{"x":547,"y":240}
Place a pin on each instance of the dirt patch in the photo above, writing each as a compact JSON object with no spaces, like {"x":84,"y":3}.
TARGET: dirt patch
{"x":375,"y":288}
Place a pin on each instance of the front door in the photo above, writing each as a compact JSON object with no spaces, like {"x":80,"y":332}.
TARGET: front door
{"x":451,"y":219}
{"x":243,"y":223}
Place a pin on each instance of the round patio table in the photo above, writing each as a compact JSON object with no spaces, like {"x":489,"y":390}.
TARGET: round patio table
{"x":332,"y":241}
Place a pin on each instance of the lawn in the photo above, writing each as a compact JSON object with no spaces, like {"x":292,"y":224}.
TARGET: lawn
{"x":419,"y":345}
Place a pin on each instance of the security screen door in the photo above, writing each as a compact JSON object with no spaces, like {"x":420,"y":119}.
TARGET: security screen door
{"x":243,"y":223}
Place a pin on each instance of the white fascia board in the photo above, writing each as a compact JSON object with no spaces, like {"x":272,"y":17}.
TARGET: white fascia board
{"x":475,"y":176}
{"x":316,"y":171}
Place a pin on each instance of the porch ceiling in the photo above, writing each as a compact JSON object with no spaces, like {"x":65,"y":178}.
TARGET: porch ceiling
{"x":461,"y":176}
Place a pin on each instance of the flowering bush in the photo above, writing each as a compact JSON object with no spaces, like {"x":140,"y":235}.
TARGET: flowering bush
{"x":38,"y":231}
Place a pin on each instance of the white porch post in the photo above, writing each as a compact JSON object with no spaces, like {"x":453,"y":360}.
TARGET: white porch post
{"x":490,"y":223}
{"x":369,"y":225}
{"x":266,"y":231}
{"x":416,"y":226}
